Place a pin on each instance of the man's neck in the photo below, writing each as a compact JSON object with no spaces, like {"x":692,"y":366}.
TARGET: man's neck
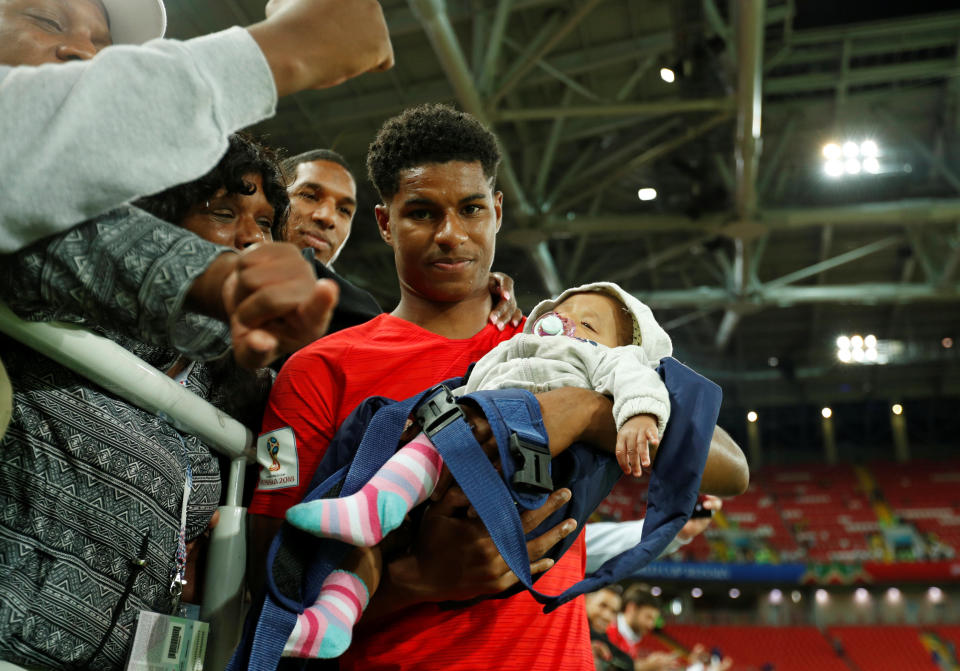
{"x":457,"y":321}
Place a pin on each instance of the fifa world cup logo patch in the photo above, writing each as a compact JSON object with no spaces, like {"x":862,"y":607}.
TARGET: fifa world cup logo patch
{"x":273,"y":449}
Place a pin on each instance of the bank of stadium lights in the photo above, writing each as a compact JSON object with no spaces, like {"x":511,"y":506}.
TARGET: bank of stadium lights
{"x":668,"y":75}
{"x":655,"y":590}
{"x":859,"y":349}
{"x":851,"y":158}
{"x":752,"y":416}
{"x":647,"y":193}
{"x":696,"y":592}
{"x":827,"y":413}
{"x":896,"y":409}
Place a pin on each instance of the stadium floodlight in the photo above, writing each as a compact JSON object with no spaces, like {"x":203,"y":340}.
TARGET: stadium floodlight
{"x":655,"y":590}
{"x":935,"y":595}
{"x":861,"y":595}
{"x":851,"y":157}
{"x":894,"y":595}
{"x":795,"y":596}
{"x":897,"y":409}
{"x":647,"y":193}
{"x":822,"y":596}
{"x":862,"y":349}
{"x":827,"y":413}
{"x":676,"y":607}
{"x":833,"y":167}
{"x":776,"y":596}
{"x":696,"y":592}
{"x":734,"y":593}
{"x":667,"y":75}
{"x":752,"y":416}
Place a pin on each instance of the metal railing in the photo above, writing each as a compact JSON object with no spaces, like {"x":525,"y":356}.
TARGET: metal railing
{"x":131,"y":378}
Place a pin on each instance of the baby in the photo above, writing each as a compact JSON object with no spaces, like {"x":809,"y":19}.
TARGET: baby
{"x":596,"y":336}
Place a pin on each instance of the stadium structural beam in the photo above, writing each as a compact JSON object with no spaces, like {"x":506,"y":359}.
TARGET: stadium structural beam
{"x":853,"y":294}
{"x":892,"y":213}
{"x":560,"y":76}
{"x":651,"y":154}
{"x":952,"y":261}
{"x":834,"y":262}
{"x":546,"y":160}
{"x":936,"y":162}
{"x":513,"y":78}
{"x":649,"y":108}
{"x":498,"y":30}
{"x":750,"y":29}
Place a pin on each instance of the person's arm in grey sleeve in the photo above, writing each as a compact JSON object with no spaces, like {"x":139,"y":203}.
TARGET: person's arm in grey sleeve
{"x":82,"y":138}
{"x":127,"y":270}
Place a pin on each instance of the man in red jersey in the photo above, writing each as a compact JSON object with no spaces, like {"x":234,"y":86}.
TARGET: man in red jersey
{"x":435,"y":170}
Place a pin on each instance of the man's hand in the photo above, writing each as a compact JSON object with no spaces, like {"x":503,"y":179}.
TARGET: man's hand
{"x":697,"y":526}
{"x":456,"y":558}
{"x":271,"y":299}
{"x":633,"y":443}
{"x":505,"y":301}
{"x":315,"y":44}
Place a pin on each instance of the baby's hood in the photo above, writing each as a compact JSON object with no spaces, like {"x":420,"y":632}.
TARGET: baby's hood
{"x":647,"y":333}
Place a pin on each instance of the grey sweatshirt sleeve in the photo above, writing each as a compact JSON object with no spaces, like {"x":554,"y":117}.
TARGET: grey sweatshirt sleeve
{"x":625,"y":374}
{"x":127,"y":271}
{"x":82,"y":138}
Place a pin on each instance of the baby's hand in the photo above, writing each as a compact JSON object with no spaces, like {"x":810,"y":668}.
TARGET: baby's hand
{"x":633,"y":443}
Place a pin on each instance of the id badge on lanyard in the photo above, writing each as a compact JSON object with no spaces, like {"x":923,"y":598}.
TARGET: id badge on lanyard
{"x":176,"y":641}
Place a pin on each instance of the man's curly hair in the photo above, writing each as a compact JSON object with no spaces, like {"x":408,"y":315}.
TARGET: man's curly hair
{"x":244,"y":156}
{"x":429,"y":134}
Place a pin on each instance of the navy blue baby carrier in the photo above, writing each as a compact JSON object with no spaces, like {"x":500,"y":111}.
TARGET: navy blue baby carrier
{"x":298,"y":562}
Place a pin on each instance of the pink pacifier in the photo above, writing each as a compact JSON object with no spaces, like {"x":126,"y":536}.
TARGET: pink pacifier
{"x":552,"y":324}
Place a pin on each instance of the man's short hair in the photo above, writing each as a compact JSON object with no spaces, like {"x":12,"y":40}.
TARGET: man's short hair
{"x":290,"y":165}
{"x":429,"y":134}
{"x":640,"y":595}
{"x":244,"y":156}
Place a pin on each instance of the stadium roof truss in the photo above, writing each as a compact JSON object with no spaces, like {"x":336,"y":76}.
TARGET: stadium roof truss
{"x":750,"y":254}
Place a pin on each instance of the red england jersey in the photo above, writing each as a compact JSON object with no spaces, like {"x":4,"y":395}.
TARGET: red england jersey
{"x":318,"y":387}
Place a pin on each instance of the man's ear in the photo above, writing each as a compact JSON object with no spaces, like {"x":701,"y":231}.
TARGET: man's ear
{"x":498,"y":207}
{"x":382,"y":213}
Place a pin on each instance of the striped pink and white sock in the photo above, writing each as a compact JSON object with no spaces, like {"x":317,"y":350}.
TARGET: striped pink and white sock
{"x":324,"y":630}
{"x":364,"y":518}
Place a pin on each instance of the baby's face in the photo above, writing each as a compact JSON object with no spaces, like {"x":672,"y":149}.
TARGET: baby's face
{"x":594,"y":317}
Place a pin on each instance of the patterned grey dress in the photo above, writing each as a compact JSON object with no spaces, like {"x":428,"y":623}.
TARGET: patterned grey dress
{"x":91,"y":486}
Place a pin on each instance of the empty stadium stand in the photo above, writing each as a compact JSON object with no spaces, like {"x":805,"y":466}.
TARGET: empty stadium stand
{"x":879,"y":511}
{"x":846,"y":648}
